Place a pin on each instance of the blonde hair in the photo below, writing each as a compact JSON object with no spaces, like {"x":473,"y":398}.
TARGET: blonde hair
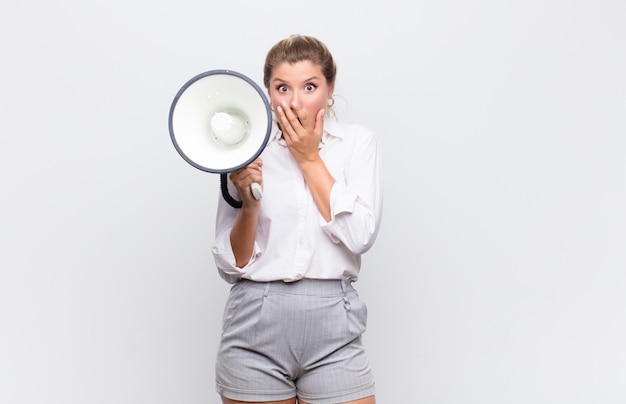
{"x":297,"y":48}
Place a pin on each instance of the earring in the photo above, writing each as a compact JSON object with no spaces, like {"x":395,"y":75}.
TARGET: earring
{"x":330,"y":102}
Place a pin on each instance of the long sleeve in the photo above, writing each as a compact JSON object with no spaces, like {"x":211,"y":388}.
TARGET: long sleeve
{"x":293,"y":241}
{"x":356,"y":202}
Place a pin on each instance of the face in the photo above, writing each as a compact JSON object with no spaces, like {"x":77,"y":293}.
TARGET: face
{"x":301,"y":85}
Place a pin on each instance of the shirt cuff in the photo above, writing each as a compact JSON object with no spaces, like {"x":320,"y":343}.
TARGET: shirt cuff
{"x":341,"y":201}
{"x":225,"y":259}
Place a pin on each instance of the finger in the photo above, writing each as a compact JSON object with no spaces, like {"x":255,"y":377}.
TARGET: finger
{"x":243,"y":180}
{"x":257,"y":164}
{"x":252,"y":172}
{"x":285,"y":125}
{"x":299,"y":113}
{"x":291,"y":116}
{"x":319,"y":121}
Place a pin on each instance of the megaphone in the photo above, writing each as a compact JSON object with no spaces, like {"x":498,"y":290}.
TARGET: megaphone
{"x":220,"y":121}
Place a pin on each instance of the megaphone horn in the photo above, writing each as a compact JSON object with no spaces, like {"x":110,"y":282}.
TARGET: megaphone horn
{"x":220,"y":121}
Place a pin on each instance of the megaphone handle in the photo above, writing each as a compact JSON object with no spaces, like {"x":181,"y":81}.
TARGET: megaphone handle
{"x":256,"y":190}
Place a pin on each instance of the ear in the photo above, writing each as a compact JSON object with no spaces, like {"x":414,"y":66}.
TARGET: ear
{"x":331,"y":90}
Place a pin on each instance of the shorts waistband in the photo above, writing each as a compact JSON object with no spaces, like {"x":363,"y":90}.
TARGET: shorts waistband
{"x":312,"y":287}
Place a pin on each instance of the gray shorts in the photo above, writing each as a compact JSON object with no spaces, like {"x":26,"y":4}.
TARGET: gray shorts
{"x":281,"y":340}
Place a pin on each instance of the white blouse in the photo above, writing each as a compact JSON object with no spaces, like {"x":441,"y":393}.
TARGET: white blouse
{"x":293,"y":241}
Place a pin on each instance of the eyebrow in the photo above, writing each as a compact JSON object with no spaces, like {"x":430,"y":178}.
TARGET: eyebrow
{"x":304,"y":81}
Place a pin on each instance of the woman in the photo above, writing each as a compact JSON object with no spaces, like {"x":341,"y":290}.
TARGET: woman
{"x":293,"y":321}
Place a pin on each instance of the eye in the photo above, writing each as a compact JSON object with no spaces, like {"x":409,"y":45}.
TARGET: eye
{"x":281,"y":88}
{"x":310,"y":87}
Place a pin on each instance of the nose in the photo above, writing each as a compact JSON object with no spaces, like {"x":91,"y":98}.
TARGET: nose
{"x":294,"y":99}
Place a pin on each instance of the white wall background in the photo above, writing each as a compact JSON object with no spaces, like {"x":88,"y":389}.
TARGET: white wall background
{"x":500,"y":271}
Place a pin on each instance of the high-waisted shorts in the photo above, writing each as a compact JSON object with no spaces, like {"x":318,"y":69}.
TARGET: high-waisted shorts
{"x":281,"y":340}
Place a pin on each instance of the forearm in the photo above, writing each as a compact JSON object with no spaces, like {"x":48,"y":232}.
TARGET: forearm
{"x":243,"y":234}
{"x":320,"y":182}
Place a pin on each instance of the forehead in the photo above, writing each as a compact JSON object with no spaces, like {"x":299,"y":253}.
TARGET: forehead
{"x":299,"y":71}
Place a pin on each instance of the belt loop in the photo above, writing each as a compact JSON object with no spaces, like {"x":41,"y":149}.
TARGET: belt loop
{"x":346,"y":302}
{"x":267,"y":289}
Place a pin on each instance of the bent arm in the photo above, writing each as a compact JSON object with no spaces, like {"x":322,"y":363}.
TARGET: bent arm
{"x":357,"y":202}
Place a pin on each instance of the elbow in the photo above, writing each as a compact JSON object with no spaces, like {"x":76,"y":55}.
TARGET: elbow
{"x":362,"y":244}
{"x":365,"y":245}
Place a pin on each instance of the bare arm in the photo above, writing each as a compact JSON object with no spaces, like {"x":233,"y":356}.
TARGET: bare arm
{"x":243,"y":233}
{"x":320,"y":182}
{"x":303,"y":139}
